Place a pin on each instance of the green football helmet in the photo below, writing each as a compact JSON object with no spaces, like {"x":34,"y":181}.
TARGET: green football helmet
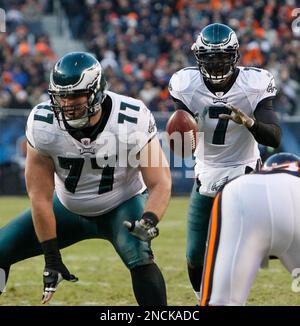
{"x":216,"y":52}
{"x":76,"y":74}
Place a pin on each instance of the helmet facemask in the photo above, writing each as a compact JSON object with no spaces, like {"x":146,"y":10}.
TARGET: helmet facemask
{"x":216,"y":66}
{"x":78,"y":112}
{"x":216,"y":52}
{"x":74,"y":109}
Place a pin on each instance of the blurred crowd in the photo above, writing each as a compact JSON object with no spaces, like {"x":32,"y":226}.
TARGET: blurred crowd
{"x":25,"y":55}
{"x":142,"y":43}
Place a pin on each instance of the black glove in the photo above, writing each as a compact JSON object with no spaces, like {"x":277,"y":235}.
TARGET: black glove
{"x":144,"y":229}
{"x":55,"y":271}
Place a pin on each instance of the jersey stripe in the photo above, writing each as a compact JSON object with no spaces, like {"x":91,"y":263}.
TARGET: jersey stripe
{"x":213,"y":242}
{"x":191,"y":68}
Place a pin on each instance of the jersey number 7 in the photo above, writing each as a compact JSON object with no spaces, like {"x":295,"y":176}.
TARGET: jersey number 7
{"x":221,"y":128}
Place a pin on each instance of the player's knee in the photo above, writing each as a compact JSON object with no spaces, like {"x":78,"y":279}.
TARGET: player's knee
{"x":195,"y":255}
{"x":134,"y":252}
{"x":137,"y":262}
{"x":133,"y":258}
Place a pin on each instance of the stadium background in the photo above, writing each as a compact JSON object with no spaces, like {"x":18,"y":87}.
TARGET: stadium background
{"x":140,"y":44}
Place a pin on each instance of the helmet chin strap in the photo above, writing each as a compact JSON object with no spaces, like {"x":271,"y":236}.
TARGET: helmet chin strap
{"x":79,"y":123}
{"x":83,"y":121}
{"x":220,"y":81}
{"x":217,"y":81}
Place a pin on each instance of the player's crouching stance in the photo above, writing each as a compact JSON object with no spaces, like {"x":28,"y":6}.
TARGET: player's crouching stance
{"x":254,"y":217}
{"x":74,"y":196}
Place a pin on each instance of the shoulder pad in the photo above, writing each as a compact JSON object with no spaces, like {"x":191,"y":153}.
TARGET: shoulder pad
{"x":256,"y":79}
{"x":41,"y":124}
{"x":183,"y":81}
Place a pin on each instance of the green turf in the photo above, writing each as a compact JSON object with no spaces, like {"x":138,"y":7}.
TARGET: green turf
{"x":105,"y":281}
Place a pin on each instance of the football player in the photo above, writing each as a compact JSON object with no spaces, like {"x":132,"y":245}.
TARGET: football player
{"x":255,"y":216}
{"x":81,"y":182}
{"x":234,"y":109}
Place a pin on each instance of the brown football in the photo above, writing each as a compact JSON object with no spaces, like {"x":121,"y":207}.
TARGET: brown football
{"x":182,"y":132}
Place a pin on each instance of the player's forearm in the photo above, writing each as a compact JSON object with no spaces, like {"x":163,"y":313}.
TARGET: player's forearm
{"x":266,"y":129}
{"x":159,"y":196}
{"x":266,"y":134}
{"x":43,"y":219}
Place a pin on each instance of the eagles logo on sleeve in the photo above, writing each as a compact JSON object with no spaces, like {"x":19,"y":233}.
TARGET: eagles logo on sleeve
{"x":152,"y":125}
{"x":271,"y":87}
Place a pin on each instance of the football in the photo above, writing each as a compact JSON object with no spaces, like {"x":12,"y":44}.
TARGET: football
{"x":182,"y":131}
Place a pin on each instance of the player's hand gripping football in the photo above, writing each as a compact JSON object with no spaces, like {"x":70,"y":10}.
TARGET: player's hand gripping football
{"x":144,"y":229}
{"x":55,"y":271}
{"x":238,"y":116}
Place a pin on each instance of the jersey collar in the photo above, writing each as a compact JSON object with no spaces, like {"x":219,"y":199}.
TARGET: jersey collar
{"x":224,"y":89}
{"x":93,"y":132}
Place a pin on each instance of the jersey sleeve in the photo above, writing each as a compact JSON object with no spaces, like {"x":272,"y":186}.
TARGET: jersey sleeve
{"x":178,"y":89}
{"x":145,"y":129}
{"x":30,"y":130}
{"x":266,"y":89}
{"x":39,"y":127}
{"x":269,"y":88}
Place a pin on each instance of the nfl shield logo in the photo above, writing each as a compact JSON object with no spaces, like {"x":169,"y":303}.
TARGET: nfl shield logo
{"x":86,"y":142}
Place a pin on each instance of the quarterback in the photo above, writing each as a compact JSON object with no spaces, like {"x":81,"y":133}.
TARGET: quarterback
{"x":233,"y":106}
{"x":78,"y":187}
{"x":255,"y":216}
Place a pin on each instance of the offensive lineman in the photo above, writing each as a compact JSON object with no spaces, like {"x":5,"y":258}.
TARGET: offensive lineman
{"x":78,"y":187}
{"x":233,"y":106}
{"x":255,"y":216}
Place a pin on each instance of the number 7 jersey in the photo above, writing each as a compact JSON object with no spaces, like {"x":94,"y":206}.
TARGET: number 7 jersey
{"x":94,"y":176}
{"x":229,"y":148}
{"x":226,"y":143}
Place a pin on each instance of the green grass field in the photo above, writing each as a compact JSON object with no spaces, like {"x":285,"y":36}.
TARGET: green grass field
{"x":105,"y":281}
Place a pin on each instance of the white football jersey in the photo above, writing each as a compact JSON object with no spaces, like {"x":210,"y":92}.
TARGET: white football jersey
{"x":226,"y":143}
{"x":93,"y":177}
{"x":254,"y":217}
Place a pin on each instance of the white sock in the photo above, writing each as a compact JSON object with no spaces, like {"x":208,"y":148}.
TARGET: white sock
{"x":197,"y":294}
{"x":2,"y":280}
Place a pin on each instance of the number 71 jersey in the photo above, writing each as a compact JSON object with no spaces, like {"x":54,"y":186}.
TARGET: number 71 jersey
{"x":95,"y":175}
{"x":226,"y":143}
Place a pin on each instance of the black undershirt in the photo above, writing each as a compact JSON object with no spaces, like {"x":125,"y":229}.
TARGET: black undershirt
{"x":93,"y":132}
{"x":266,"y":130}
